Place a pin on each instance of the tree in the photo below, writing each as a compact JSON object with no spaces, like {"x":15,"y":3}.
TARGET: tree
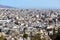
{"x":53,"y":37}
{"x":59,"y":19}
{"x":37,"y":37}
{"x":50,"y":21}
{"x":31,"y":36}
{"x":54,"y":34}
{"x":1,"y":38}
{"x":25,"y":36}
{"x":59,"y":30}
{"x":58,"y":35}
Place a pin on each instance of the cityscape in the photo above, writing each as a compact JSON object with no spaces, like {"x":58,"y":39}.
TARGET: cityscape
{"x":29,"y":24}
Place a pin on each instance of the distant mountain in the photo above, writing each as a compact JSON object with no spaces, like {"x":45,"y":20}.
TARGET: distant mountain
{"x":2,"y":6}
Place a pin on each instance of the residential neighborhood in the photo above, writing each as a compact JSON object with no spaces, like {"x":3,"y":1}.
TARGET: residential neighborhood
{"x":29,"y":24}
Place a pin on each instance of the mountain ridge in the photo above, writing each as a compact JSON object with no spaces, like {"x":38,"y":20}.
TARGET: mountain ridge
{"x":3,"y":6}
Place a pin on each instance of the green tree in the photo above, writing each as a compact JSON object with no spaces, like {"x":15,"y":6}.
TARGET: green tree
{"x":50,"y":21}
{"x":37,"y":37}
{"x":1,"y":38}
{"x":25,"y":36}
{"x":58,"y":35}
{"x":54,"y":35}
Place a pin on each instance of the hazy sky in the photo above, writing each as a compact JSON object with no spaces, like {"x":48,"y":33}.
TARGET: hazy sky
{"x":31,"y":3}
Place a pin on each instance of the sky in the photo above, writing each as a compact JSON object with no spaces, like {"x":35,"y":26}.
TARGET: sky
{"x":31,"y":3}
